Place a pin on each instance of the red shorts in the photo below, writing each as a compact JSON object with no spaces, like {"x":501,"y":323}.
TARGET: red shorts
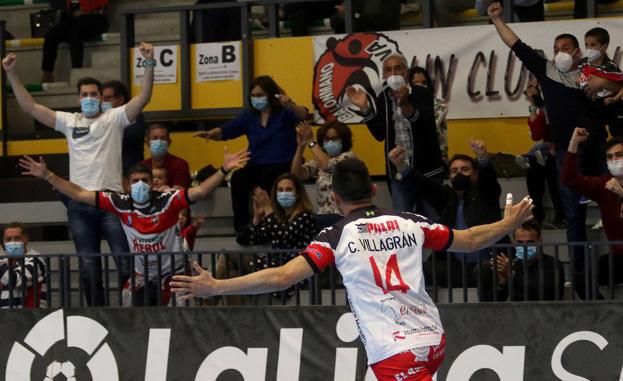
{"x":418,"y":364}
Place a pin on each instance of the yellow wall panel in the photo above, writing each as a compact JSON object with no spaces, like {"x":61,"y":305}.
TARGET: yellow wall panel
{"x":290,"y":61}
{"x":509,"y":135}
{"x":166,"y":96}
{"x":214,"y":94}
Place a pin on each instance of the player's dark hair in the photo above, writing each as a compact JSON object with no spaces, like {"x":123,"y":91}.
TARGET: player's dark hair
{"x":351,"y":180}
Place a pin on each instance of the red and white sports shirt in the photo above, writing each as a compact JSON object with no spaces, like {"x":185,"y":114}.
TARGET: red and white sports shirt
{"x":379,"y":254}
{"x":150,"y":229}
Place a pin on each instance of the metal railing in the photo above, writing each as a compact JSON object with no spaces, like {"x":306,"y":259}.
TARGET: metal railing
{"x":66,"y":281}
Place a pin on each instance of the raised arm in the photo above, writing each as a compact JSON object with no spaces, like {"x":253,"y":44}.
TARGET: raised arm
{"x":208,"y":185}
{"x":300,"y":111}
{"x":259,"y":282}
{"x":297,"y":162}
{"x":506,"y":33}
{"x":69,"y":189}
{"x":136,"y":105}
{"x":41,"y":113}
{"x":479,"y":237}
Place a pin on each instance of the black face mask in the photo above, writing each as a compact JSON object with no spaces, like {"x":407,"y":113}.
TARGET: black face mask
{"x":461,"y":182}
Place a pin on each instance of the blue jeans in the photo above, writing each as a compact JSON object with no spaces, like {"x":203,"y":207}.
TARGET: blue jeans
{"x":88,"y":226}
{"x":576,"y":215}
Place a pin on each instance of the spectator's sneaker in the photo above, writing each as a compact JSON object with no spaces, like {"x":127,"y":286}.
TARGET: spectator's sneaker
{"x":598,"y":225}
{"x":522,"y":162}
{"x":584,"y":200}
{"x":540,"y":158}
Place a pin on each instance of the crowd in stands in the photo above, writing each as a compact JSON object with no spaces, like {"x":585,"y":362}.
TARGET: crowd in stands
{"x":143,"y":205}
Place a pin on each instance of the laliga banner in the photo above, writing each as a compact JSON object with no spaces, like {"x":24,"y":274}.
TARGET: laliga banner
{"x":485,"y":342}
{"x":472,"y":68}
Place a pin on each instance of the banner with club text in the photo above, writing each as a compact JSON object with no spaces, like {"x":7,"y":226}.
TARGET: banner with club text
{"x":503,"y":341}
{"x":471,"y":67}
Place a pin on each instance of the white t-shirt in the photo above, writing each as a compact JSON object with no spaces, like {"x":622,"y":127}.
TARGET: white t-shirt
{"x":94,"y":148}
{"x":379,"y":254}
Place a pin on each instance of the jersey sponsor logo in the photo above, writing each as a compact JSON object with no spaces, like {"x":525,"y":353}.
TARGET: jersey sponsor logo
{"x":79,"y":132}
{"x":397,"y":336}
{"x":381,"y":227}
{"x":152,"y":245}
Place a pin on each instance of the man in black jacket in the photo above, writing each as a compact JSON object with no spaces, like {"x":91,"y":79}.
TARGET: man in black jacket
{"x":527,"y":260}
{"x":402,"y":116}
{"x":471,"y":199}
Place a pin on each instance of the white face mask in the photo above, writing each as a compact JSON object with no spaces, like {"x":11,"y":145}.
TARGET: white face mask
{"x":616,"y":167}
{"x":563,"y":61}
{"x":396,"y":82}
{"x":593,"y":54}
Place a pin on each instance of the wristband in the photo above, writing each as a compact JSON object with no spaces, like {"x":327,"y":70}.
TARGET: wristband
{"x":149,"y":63}
{"x":311,"y":144}
{"x":224,"y":171}
{"x":48,"y":175}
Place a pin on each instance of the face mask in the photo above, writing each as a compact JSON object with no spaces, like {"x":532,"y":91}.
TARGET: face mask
{"x":520,"y":253}
{"x":461,"y":182}
{"x":140,"y":192}
{"x":593,"y":54}
{"x":616,"y":167}
{"x":286,"y":199}
{"x":14,"y":249}
{"x":563,"y":61}
{"x":395,"y":82}
{"x":259,"y":103}
{"x":332,"y":147}
{"x":158,"y":147}
{"x":106,"y":106}
{"x":90,"y":106}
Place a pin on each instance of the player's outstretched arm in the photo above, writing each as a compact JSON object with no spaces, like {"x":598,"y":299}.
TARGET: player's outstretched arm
{"x":40,"y":169}
{"x":230,"y":162}
{"x":260,"y":282}
{"x":479,"y":237}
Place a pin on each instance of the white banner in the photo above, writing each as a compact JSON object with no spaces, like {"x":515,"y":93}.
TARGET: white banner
{"x":217,"y":61}
{"x":166,"y":65}
{"x":471,"y":66}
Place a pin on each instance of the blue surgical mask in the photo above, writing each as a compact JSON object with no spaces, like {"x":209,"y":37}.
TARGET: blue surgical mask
{"x":90,"y":106}
{"x":158,"y":147}
{"x":520,"y":252}
{"x":140,"y":192}
{"x":286,"y":199}
{"x":332,"y":147}
{"x":14,"y":249}
{"x":106,"y":106}
{"x":259,"y":103}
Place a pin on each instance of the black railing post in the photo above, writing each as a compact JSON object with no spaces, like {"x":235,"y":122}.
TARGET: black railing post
{"x":273,"y":20}
{"x":427,"y":13}
{"x":591,"y":8}
{"x":509,"y":13}
{"x":126,"y":43}
{"x":3,"y":95}
{"x":247,"y":52}
{"x":349,"y":25}
{"x":184,"y":59}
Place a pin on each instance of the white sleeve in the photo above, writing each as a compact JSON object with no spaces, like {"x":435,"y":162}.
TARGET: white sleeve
{"x":120,"y":118}
{"x":62,"y":120}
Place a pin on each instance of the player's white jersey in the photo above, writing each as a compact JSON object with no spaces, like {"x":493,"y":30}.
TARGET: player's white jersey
{"x":379,"y":254}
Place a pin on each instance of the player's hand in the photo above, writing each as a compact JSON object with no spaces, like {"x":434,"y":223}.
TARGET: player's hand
{"x":358,"y":97}
{"x":32,"y":167}
{"x":520,"y":212}
{"x":189,"y":287}
{"x":495,"y":10}
{"x":147,"y":50}
{"x":614,"y":186}
{"x":236,"y":160}
{"x":9,"y":62}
